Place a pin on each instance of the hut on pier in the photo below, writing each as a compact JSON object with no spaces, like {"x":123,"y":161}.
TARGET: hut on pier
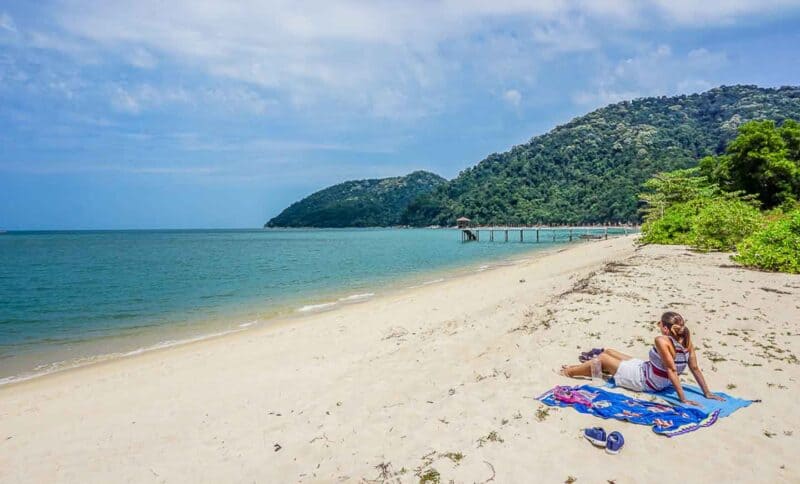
{"x":463,"y":222}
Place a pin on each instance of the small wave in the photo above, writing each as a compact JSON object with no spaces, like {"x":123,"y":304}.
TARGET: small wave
{"x":49,"y":368}
{"x":426,"y":283}
{"x":357,"y":297}
{"x":316,"y":307}
{"x":248,"y":324}
{"x":482,"y":268}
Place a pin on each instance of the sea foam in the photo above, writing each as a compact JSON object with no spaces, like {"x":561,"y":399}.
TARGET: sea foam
{"x":357,"y":297}
{"x":316,"y":307}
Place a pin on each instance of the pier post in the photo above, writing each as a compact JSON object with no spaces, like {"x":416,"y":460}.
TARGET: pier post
{"x":506,"y":235}
{"x":491,"y":235}
{"x":570,"y":235}
{"x":537,"y":235}
{"x":520,"y":235}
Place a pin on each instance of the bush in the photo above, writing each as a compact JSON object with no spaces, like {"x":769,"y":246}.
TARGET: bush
{"x":674,"y":226}
{"x":722,"y":223}
{"x":776,"y":247}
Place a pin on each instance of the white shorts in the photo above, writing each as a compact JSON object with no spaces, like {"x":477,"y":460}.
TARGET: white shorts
{"x":630,"y":375}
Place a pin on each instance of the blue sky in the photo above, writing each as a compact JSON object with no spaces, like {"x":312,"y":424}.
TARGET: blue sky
{"x":191,"y":114}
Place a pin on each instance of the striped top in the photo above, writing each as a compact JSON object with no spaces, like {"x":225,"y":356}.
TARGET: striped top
{"x":655,"y":372}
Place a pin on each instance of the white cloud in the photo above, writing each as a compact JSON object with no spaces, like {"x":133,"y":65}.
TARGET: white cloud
{"x":717,"y":12}
{"x":124,"y":101}
{"x":7,"y":23}
{"x":705,"y":59}
{"x":142,"y":58}
{"x":512,"y":97}
{"x":395,"y":60}
{"x":381,"y":58}
{"x":568,"y":34}
{"x":133,"y":100}
{"x":136,"y":98}
{"x":653,"y":71}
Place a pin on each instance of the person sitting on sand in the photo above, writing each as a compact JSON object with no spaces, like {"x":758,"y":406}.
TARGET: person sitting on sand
{"x":672,"y":352}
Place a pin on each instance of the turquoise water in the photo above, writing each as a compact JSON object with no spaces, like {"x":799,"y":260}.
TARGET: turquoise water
{"x":69,"y":296}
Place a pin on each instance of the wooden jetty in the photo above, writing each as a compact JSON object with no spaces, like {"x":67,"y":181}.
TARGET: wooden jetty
{"x":541,"y":233}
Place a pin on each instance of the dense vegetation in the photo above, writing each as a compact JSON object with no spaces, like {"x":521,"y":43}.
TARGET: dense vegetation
{"x":360,"y":203}
{"x":762,"y":160}
{"x":776,"y":247}
{"x":591,"y":169}
{"x":716,"y":206}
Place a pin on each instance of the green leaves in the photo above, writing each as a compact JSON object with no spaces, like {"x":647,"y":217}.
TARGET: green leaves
{"x":668,"y":188}
{"x":722,"y":223}
{"x":360,"y":203}
{"x":715,"y":207}
{"x":763,"y":160}
{"x":673,"y":226}
{"x":776,"y":247}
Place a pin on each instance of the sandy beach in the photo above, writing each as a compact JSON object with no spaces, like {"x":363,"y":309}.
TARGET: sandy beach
{"x":442,"y":377}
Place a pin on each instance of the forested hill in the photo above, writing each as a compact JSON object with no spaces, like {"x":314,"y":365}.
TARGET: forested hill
{"x":590,"y":169}
{"x":360,"y":203}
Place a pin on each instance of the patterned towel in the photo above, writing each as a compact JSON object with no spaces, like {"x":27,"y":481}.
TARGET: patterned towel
{"x":725,"y":407}
{"x":665,"y":419}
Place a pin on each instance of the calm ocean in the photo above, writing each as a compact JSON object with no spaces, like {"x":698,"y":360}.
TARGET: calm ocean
{"x":68,"y":297}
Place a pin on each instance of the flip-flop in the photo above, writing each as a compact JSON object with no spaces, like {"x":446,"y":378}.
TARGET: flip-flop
{"x":596,"y":435}
{"x":588,"y":355}
{"x":614,"y":443}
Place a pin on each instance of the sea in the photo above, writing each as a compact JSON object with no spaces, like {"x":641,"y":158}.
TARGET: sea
{"x":70,"y":298}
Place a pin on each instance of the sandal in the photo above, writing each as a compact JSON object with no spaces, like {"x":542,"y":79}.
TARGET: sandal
{"x":588,"y":355}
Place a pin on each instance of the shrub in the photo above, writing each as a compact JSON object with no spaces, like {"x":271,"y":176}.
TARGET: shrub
{"x":674,"y":227}
{"x":722,"y":223}
{"x":776,"y":247}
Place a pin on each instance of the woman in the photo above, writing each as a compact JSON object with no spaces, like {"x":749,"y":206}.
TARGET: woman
{"x":672,"y":352}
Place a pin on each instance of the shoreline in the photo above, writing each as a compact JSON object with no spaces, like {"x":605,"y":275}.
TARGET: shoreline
{"x":287,"y":314}
{"x":441,"y":378}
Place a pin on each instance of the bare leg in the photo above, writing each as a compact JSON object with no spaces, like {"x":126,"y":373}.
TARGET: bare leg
{"x":617,"y":354}
{"x":608,"y":363}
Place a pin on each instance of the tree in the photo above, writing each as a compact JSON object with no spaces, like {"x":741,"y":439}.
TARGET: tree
{"x":763,"y":160}
{"x":669,"y":188}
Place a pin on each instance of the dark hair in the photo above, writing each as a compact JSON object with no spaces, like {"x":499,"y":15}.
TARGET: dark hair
{"x":676,"y":325}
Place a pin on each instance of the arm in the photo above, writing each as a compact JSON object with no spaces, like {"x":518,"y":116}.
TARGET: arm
{"x":664,"y":348}
{"x":698,"y":375}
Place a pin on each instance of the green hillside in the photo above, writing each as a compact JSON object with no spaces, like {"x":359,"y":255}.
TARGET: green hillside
{"x":590,"y":169}
{"x":360,"y":203}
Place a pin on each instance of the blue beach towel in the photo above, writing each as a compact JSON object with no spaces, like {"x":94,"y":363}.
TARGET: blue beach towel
{"x":665,"y":419}
{"x":725,"y":408}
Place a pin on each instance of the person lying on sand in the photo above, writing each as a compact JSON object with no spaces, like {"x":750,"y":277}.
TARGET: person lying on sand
{"x":672,"y":352}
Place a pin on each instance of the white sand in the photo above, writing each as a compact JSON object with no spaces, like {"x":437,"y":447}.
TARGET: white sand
{"x":398,"y":382}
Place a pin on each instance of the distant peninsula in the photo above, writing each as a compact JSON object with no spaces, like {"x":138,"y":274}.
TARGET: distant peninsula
{"x":359,"y":203}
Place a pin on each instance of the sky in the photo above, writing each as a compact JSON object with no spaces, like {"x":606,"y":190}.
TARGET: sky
{"x":199,"y":114}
